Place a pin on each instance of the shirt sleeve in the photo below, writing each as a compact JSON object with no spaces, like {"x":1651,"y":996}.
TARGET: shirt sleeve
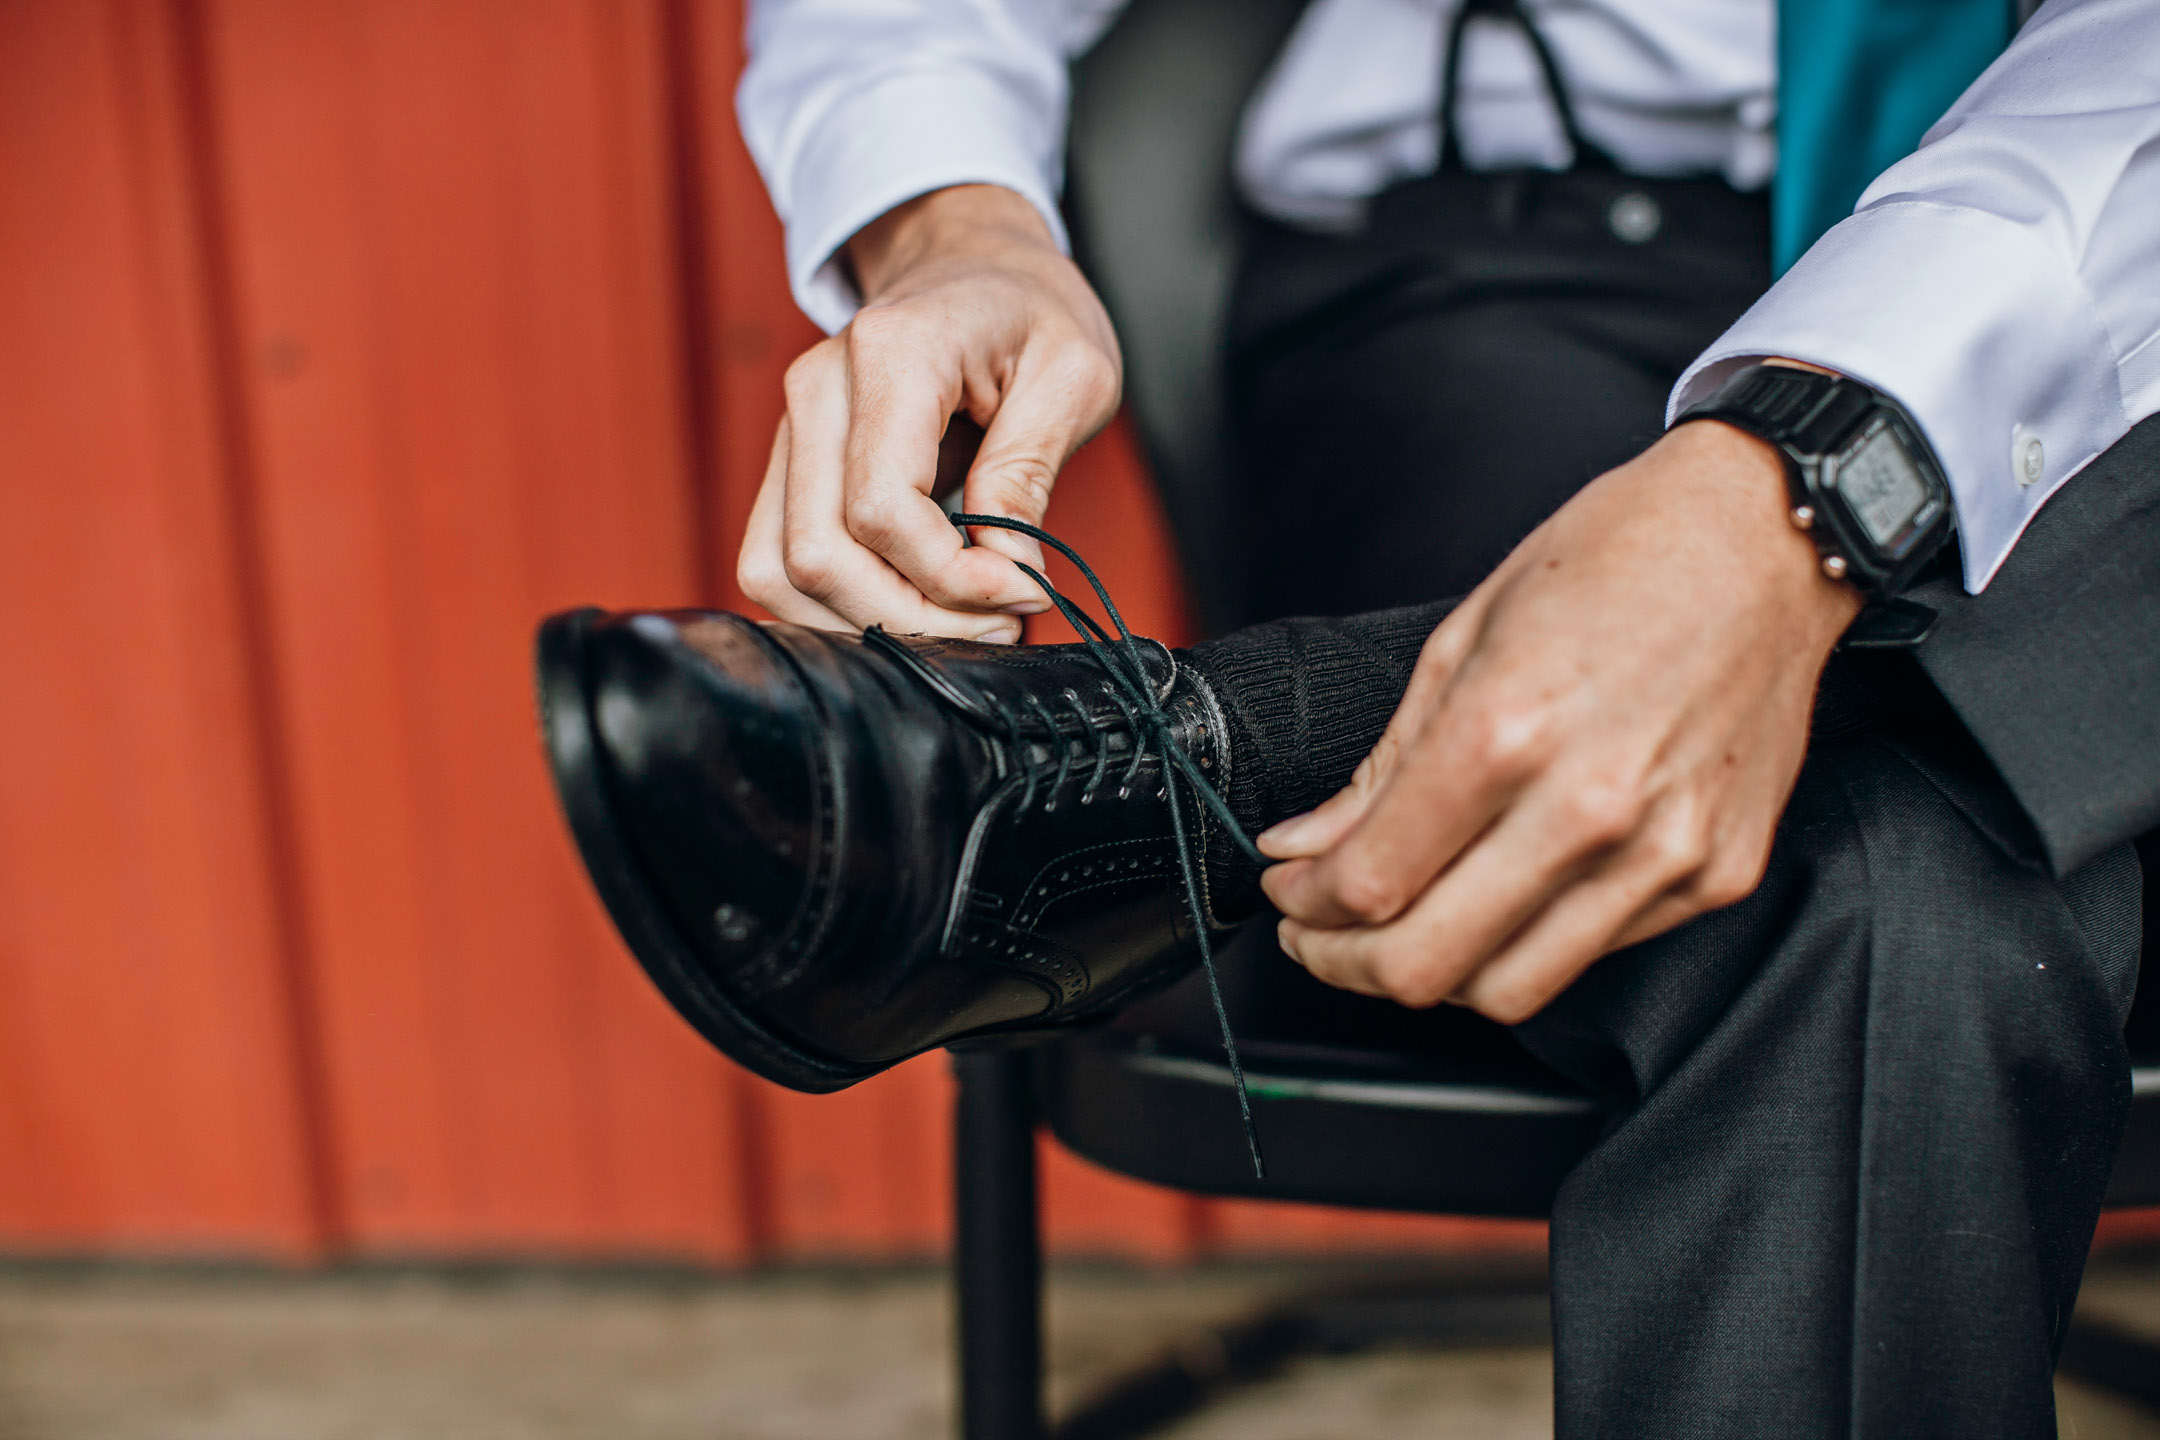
{"x":2003,"y":281}
{"x":850,"y":107}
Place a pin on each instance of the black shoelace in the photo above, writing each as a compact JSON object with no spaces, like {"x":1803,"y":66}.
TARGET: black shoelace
{"x":1125,"y":662}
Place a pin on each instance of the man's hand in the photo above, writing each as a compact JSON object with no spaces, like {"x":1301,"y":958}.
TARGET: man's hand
{"x":1595,"y":746}
{"x":969,"y":311}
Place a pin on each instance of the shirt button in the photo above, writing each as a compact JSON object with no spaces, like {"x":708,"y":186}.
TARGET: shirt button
{"x":2030,"y":460}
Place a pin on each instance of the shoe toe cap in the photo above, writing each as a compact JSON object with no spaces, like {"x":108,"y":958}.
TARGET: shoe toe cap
{"x":710,"y":746}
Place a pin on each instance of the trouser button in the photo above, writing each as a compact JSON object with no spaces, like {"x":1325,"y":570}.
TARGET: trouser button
{"x":1635,"y":218}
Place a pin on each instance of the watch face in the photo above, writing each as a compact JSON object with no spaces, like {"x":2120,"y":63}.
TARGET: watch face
{"x":1882,"y":487}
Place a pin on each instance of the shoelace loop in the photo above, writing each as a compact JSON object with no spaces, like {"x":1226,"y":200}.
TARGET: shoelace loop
{"x":1124,"y":661}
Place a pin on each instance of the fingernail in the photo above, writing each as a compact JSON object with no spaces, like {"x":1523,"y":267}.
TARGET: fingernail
{"x":1280,"y":835}
{"x":1027,"y":607}
{"x":1000,"y":635}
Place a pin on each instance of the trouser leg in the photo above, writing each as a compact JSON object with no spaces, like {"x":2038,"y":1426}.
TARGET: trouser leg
{"x":1868,"y":1132}
{"x":1874,"y":1108}
{"x":1870,"y":1110}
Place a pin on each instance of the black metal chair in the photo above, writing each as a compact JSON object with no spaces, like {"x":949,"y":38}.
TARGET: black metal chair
{"x":1447,"y":1115}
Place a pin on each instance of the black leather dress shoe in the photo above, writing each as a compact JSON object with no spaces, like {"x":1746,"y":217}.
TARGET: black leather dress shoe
{"x":832,"y":852}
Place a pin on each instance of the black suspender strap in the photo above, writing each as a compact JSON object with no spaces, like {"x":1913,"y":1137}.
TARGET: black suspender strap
{"x":1588,"y":155}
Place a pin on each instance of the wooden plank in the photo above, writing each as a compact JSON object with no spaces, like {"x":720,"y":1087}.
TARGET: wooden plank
{"x":745,"y":328}
{"x":457,"y":289}
{"x":1091,"y":1212}
{"x":151,"y":1089}
{"x":865,"y":1173}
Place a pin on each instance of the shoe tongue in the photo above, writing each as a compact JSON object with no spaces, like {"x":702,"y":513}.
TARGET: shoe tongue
{"x":982,"y":678}
{"x":1030,"y":667}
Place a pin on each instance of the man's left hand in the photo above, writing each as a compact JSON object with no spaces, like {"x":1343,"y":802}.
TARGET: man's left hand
{"x":1595,"y":746}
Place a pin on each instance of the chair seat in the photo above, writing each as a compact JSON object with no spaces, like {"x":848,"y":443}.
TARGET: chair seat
{"x":1338,"y":1127}
{"x":2137,"y":1161}
{"x":1373,"y":1129}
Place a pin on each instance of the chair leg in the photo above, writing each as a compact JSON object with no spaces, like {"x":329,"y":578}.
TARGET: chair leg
{"x":997,"y":1256}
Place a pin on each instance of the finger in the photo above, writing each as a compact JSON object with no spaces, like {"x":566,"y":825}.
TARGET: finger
{"x":1057,"y":401}
{"x":1665,"y":912}
{"x":1588,"y":920}
{"x":824,"y":561}
{"x":899,"y":396}
{"x":760,"y":567}
{"x":1303,"y":837}
{"x":1512,"y":873}
{"x":1307,"y":835}
{"x":1290,"y":937}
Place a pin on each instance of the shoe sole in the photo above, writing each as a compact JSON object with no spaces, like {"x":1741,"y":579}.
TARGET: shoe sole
{"x":581,"y":784}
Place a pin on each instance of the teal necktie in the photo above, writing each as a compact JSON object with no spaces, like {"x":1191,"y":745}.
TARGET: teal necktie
{"x":1859,"y":82}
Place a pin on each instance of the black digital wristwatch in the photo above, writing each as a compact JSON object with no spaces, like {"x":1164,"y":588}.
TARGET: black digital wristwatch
{"x":1865,"y":485}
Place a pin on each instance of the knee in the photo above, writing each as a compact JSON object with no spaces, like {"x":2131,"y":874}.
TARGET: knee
{"x":1969,"y":937}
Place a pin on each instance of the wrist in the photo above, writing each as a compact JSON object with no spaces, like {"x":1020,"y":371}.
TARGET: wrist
{"x":1749,"y":478}
{"x":959,"y":219}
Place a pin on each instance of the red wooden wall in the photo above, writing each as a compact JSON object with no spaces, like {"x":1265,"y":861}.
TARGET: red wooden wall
{"x":340,"y":341}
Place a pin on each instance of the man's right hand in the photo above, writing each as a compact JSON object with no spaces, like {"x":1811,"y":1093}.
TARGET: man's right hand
{"x":969,"y":310}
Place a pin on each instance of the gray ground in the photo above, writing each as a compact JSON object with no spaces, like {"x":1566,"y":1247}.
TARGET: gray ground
{"x":192,"y":1354}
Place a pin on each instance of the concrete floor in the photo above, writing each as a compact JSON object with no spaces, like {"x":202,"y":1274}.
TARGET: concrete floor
{"x":178,"y":1354}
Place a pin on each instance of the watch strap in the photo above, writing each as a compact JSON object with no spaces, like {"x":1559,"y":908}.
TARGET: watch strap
{"x":1802,"y":412}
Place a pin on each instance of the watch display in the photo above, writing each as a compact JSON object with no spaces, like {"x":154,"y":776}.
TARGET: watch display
{"x":1882,"y":486}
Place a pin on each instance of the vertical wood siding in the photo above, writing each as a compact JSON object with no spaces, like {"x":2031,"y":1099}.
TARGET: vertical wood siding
{"x":338,"y":342}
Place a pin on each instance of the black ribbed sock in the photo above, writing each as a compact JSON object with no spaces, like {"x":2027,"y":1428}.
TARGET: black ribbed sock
{"x":1305,"y":700}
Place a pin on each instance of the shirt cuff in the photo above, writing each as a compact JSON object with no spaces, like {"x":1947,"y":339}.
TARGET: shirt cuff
{"x":901,"y":137}
{"x":1976,"y":326}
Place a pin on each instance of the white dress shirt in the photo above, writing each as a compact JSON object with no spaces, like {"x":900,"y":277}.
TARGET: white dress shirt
{"x":2003,"y":282}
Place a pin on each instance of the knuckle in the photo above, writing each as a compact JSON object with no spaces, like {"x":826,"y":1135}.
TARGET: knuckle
{"x":1368,"y":896}
{"x":1729,"y":879}
{"x":1603,"y":813}
{"x":761,"y":576}
{"x":1506,"y":1002}
{"x":1679,"y":848}
{"x":1025,"y":482}
{"x":870,"y":519}
{"x":805,"y":373}
{"x":812,"y":569}
{"x":1411,"y":981}
{"x":1506,"y":740}
{"x":1089,"y":374}
{"x":879,"y":327}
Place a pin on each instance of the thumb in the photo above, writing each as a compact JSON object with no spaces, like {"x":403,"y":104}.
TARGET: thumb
{"x":1303,"y":836}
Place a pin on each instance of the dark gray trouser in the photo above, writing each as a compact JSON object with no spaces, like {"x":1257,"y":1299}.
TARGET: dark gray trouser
{"x":1868,"y":1113}
{"x":1878,"y":1099}
{"x":1878,"y":1103}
